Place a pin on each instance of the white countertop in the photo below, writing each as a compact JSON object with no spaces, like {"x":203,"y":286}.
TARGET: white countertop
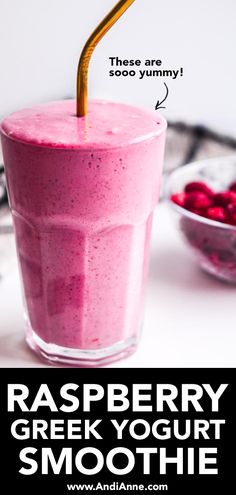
{"x":189,"y":318}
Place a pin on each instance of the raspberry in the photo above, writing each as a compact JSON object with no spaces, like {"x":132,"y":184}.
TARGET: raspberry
{"x":230,"y":211}
{"x":216,"y":213}
{"x":224,"y":198}
{"x":179,"y":199}
{"x":199,"y":187}
{"x":232,"y":187}
{"x":197,"y":201}
{"x":200,"y":199}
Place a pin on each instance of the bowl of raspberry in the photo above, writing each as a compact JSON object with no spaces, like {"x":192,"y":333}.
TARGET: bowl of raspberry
{"x":203,"y":197}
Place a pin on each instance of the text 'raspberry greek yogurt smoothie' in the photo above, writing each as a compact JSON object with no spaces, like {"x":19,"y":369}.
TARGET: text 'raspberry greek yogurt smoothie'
{"x":82,"y":191}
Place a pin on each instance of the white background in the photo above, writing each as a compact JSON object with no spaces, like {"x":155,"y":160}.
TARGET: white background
{"x":41,"y":42}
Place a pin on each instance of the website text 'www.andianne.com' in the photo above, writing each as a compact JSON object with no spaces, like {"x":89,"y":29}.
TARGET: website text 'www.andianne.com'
{"x":115,"y":486}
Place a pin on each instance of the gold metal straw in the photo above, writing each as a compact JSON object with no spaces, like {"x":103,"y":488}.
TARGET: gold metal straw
{"x":96,"y":36}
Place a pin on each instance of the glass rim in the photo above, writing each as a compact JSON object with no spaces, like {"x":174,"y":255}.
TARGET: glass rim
{"x":85,"y":147}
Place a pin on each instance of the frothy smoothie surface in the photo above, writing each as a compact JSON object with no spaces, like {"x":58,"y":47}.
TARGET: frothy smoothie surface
{"x":107,"y":125}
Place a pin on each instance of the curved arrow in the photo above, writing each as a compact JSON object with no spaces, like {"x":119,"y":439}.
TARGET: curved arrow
{"x":160,"y":102}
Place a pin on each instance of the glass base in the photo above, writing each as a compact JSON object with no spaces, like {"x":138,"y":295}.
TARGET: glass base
{"x":56,"y":354}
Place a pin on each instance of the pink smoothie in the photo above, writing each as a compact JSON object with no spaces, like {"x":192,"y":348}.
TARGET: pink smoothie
{"x":82,"y":193}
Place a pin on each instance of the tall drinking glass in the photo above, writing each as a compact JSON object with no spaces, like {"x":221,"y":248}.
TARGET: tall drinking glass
{"x":82,"y":193}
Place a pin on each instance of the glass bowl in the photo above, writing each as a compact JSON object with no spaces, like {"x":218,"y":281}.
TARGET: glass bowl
{"x":212,"y":243}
